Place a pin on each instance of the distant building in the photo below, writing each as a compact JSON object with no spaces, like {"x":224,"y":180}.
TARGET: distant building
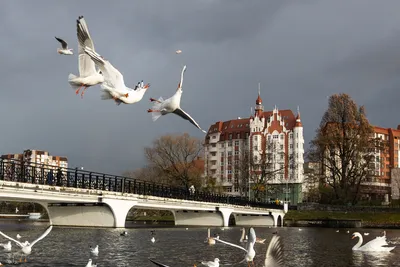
{"x":271,"y":137}
{"x":38,"y":157}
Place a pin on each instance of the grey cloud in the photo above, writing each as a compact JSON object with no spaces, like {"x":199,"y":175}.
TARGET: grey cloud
{"x":301,"y":52}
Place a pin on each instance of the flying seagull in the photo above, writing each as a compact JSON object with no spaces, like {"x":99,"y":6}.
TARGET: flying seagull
{"x":64,"y":50}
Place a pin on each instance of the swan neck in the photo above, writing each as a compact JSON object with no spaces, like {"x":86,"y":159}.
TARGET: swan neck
{"x":360,"y":241}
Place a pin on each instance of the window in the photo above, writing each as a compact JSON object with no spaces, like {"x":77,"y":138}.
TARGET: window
{"x":255,"y":147}
{"x":291,"y":146}
{"x":229,"y":153}
{"x":213,"y":145}
{"x":281,"y":155}
{"x":229,"y":171}
{"x":281,"y":136}
{"x":229,"y":179}
{"x":256,"y":138}
{"x":236,"y":152}
{"x":222,"y":163}
{"x":229,"y":162}
{"x":269,"y":138}
{"x":236,"y":162}
{"x":238,"y":136}
{"x":222,"y":145}
{"x":275,"y":136}
{"x":230,"y":143}
{"x":236,"y":189}
{"x":236,"y":143}
{"x":281,"y":147}
{"x":291,"y":136}
{"x":222,"y":154}
{"x":230,"y":136}
{"x":214,"y":137}
{"x":228,"y":189}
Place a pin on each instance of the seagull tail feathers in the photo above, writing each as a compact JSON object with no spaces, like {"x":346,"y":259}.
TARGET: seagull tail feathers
{"x":74,"y":85}
{"x":106,"y":95}
{"x":155,"y":114}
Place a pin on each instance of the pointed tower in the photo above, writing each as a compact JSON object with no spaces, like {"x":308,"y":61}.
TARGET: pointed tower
{"x":298,"y":144}
{"x":259,"y":109}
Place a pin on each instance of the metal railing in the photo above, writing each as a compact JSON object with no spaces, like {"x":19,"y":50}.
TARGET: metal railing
{"x":41,"y":174}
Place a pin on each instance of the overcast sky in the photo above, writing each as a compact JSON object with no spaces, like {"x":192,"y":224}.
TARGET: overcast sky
{"x":300,"y":51}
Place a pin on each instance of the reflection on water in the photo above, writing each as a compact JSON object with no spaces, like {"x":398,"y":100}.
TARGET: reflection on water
{"x":178,"y":247}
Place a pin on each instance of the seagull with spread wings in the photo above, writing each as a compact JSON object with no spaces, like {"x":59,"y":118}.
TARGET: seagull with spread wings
{"x":172,"y":105}
{"x":114,"y":85}
{"x":88,"y":75}
{"x":64,"y":50}
{"x":26,"y":247}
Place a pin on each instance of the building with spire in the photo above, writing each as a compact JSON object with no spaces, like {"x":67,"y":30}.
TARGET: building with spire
{"x":266,"y":149}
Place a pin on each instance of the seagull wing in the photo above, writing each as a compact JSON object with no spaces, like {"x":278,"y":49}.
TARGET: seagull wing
{"x":12,"y":239}
{"x":274,"y":254}
{"x":158,"y":264}
{"x":43,"y":235}
{"x":230,"y":244}
{"x":112,"y":76}
{"x":64,"y":46}
{"x":86,"y":64}
{"x":186,"y":116}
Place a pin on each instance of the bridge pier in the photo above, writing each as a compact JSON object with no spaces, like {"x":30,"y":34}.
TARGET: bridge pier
{"x":120,"y":209}
{"x":226,"y":213}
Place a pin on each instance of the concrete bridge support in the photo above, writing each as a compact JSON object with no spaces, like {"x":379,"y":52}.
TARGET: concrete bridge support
{"x":198,"y":218}
{"x":254,"y":220}
{"x":107,"y":213}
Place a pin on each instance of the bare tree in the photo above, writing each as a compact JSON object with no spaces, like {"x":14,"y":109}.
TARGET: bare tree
{"x":260,"y":169}
{"x":177,"y":158}
{"x":148,"y":174}
{"x":344,"y":146}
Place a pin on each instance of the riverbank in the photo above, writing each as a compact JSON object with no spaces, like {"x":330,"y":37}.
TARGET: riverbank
{"x":342,"y":219}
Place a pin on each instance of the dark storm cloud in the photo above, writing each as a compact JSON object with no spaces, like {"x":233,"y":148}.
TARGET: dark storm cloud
{"x":300,"y":51}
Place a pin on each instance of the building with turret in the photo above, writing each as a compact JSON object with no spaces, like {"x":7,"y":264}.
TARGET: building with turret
{"x":267,"y":148}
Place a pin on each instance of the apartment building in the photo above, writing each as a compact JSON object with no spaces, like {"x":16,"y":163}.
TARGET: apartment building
{"x":271,"y":137}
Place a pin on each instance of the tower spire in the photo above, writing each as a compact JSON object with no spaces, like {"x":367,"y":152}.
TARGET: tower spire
{"x":259,"y":107}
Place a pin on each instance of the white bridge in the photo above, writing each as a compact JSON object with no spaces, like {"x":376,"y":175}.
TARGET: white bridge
{"x":68,"y":206}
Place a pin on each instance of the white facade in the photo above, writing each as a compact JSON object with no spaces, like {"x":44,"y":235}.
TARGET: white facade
{"x":275,"y":134}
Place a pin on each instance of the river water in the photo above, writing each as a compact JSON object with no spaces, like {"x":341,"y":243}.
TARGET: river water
{"x":181,"y":247}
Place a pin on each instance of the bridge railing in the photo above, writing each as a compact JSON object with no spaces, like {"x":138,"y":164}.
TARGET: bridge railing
{"x":41,"y":174}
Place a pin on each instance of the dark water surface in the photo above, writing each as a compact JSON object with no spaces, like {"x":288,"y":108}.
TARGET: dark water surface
{"x":178,"y":247}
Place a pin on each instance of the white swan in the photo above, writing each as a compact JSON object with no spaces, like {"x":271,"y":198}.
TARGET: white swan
{"x":172,"y":105}
{"x":250,"y":252}
{"x":114,"y":83}
{"x":376,"y":244}
{"x":26,"y":247}
{"x":95,"y":250}
{"x":210,"y":240}
{"x":7,"y":246}
{"x":214,"y":263}
{"x":64,"y":50}
{"x":88,"y":76}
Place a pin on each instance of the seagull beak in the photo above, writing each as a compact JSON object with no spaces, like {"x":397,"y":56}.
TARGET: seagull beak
{"x":126,"y":95}
{"x":147,"y":86}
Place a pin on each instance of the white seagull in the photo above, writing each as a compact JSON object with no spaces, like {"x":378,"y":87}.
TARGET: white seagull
{"x":172,"y":105}
{"x":88,"y":75}
{"x":250,"y":252}
{"x":114,"y":86}
{"x":18,"y":236}
{"x":6,"y":246}
{"x":64,"y":50}
{"x":95,"y":250}
{"x":26,"y":247}
{"x":274,"y":254}
{"x":90,"y":264}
